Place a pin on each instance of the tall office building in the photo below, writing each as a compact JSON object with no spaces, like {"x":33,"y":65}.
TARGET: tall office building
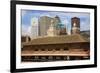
{"x":44,"y":24}
{"x":34,"y":27}
{"x":56,"y":20}
{"x":52,"y":30}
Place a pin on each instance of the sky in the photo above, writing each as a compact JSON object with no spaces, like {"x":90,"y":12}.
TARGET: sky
{"x":65,"y":17}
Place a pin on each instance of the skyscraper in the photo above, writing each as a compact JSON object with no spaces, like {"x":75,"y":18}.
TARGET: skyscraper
{"x":34,"y":27}
{"x":44,"y":24}
{"x":56,"y":20}
{"x":52,"y":30}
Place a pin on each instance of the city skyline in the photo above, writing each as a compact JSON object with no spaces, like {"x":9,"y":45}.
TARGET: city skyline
{"x":65,"y":18}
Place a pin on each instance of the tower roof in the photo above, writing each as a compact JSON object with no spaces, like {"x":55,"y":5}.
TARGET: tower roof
{"x":75,"y":18}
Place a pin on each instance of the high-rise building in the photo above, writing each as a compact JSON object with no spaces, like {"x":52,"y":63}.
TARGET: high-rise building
{"x":62,"y":29}
{"x":75,"y":29}
{"x":56,"y":20}
{"x":45,"y":22}
{"x":52,"y":30}
{"x":34,"y":28}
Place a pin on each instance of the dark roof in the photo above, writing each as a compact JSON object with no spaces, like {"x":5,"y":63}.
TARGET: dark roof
{"x":75,"y":38}
{"x":75,"y":18}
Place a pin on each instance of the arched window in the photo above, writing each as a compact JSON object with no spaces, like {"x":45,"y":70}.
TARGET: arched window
{"x":57,"y":49}
{"x":42,"y":49}
{"x":49,"y":49}
{"x":35,"y":49}
{"x":65,"y":49}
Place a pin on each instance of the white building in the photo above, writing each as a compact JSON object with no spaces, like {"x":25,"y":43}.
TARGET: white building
{"x":34,"y":27}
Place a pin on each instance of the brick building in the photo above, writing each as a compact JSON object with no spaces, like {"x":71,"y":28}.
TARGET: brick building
{"x":64,"y":47}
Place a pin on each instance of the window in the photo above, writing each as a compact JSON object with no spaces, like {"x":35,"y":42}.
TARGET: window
{"x":57,"y":49}
{"x":35,"y":49}
{"x":43,"y":49}
{"x":49,"y":49}
{"x":65,"y":49}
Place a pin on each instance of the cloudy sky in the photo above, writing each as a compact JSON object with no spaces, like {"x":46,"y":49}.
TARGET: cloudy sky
{"x":65,"y":17}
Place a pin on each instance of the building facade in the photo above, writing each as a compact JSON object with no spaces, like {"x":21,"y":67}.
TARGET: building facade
{"x":64,"y":47}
